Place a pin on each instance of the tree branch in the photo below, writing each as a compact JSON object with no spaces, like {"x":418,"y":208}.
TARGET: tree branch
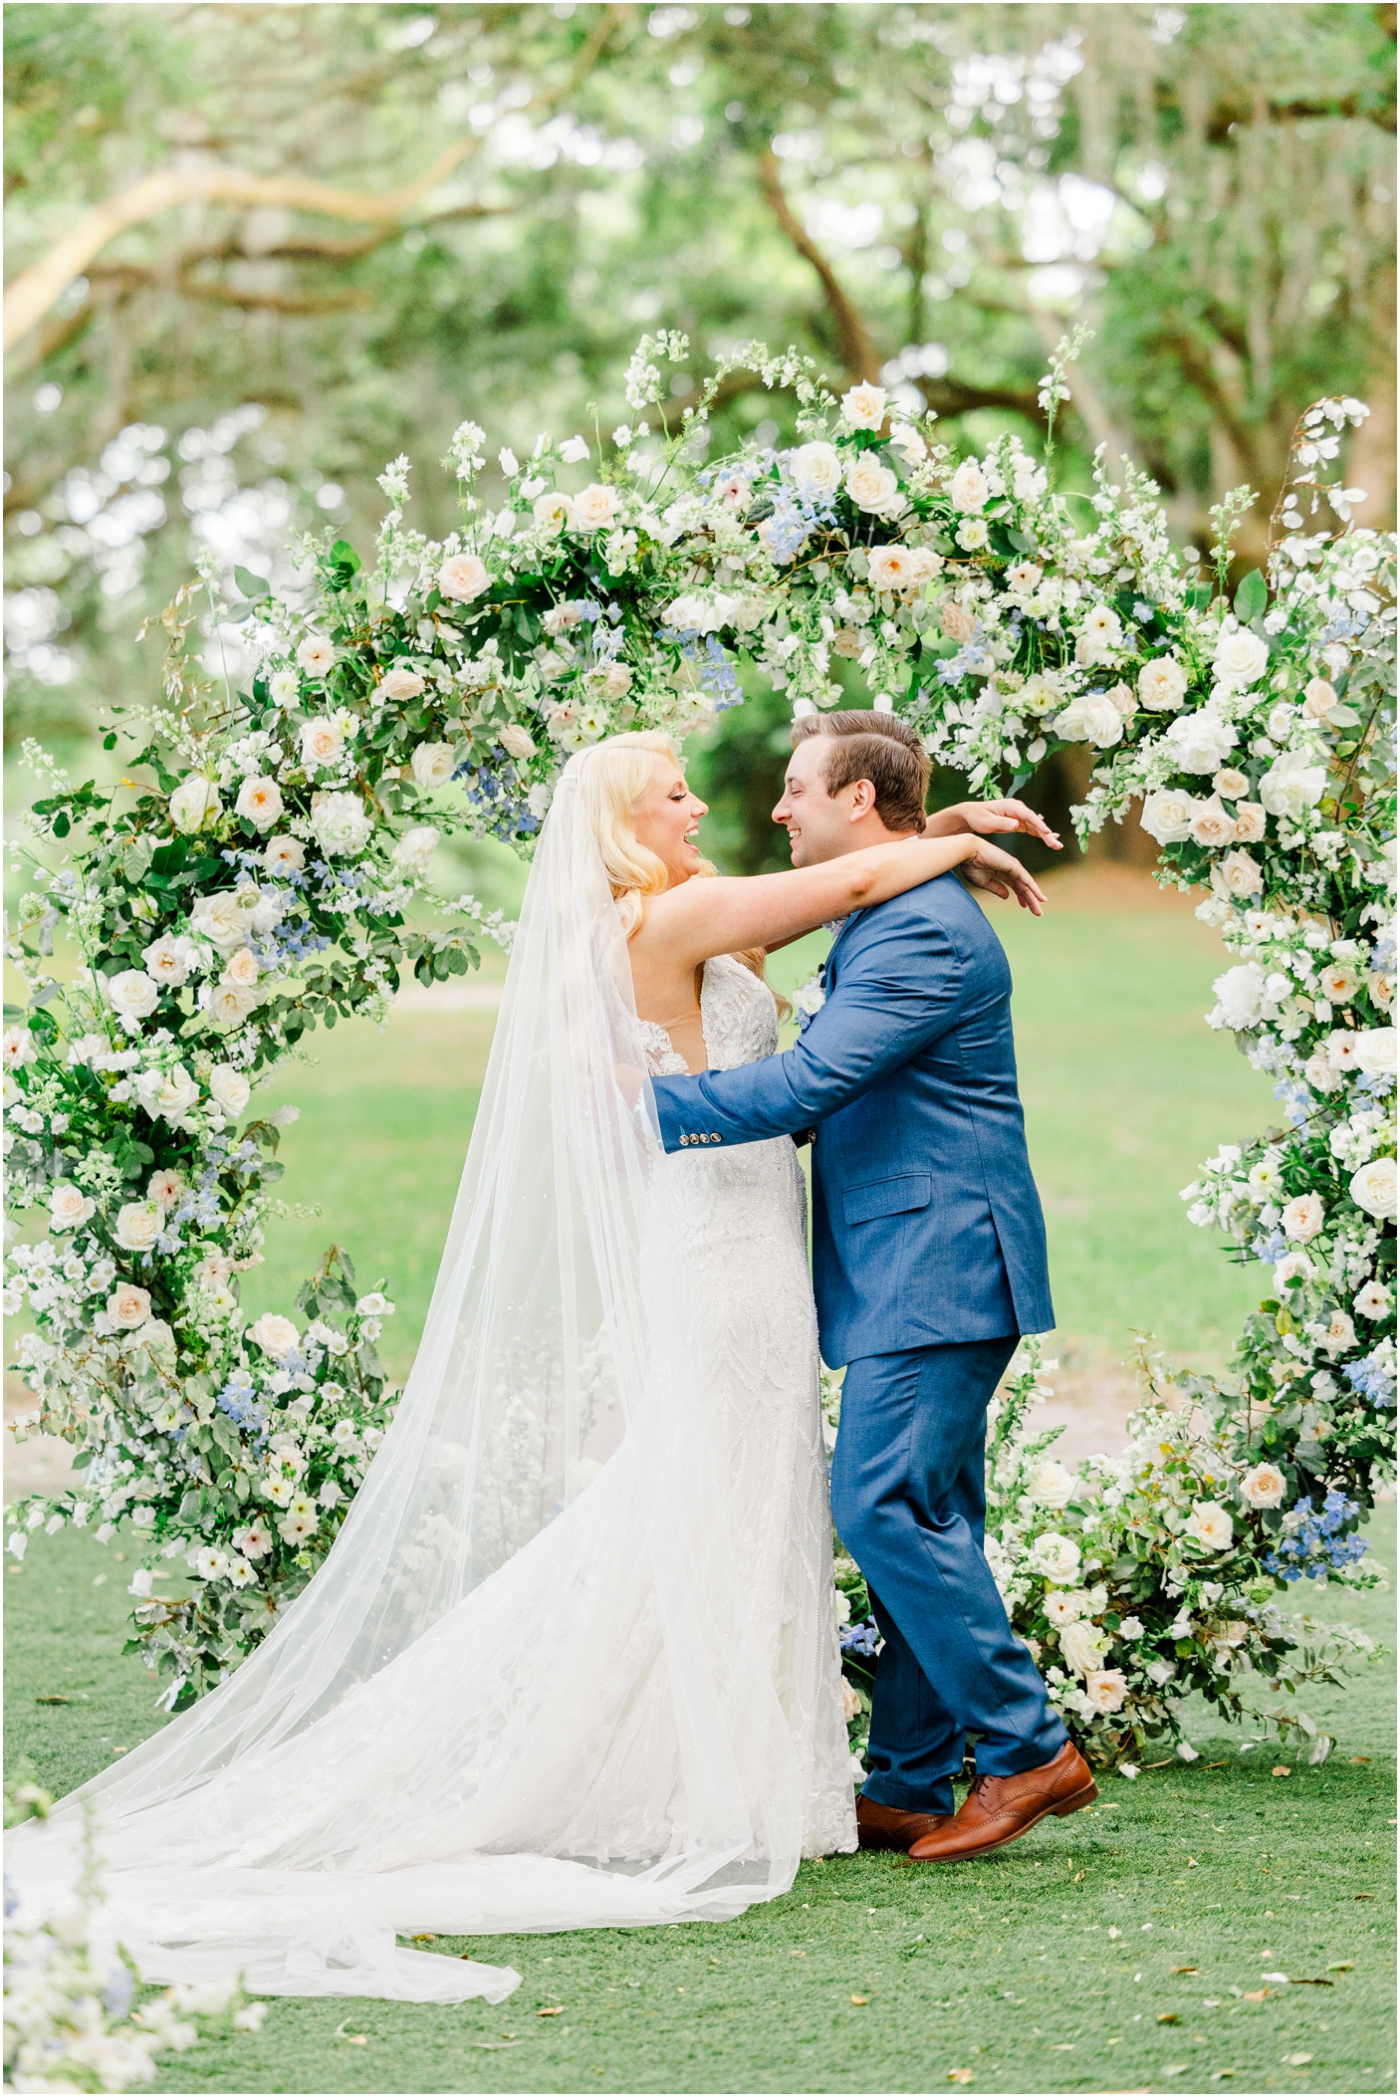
{"x":857,"y":351}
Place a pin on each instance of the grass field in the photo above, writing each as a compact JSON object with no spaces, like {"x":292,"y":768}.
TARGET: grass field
{"x":1123,"y":1950}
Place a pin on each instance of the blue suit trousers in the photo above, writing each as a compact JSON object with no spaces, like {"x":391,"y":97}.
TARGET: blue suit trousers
{"x":908,"y":1501}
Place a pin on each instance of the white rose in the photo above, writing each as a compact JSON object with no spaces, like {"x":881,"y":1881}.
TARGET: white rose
{"x":133,"y":994}
{"x":1294,"y":1266}
{"x":900,"y":568}
{"x":284,"y":855}
{"x":1303,"y":1218}
{"x":342,"y":825}
{"x":1251,"y":822}
{"x":816,"y":469}
{"x":1057,"y":1557}
{"x":433,"y":765}
{"x":1340,"y":1334}
{"x":1162,"y":685}
{"x":128,"y":1307}
{"x":1091,"y":718}
{"x":242,"y":967}
{"x":167,"y":960}
{"x":1374,"y":1052}
{"x":414,"y":851}
{"x":1230,"y":783}
{"x":517,"y":742}
{"x":463,"y":577}
{"x":139,"y":1224}
{"x":177,"y":1093}
{"x":1264,"y":1486}
{"x":617,"y":681}
{"x":1241,"y":992}
{"x":400,"y":684}
{"x":1238,"y":874}
{"x":864,"y":407}
{"x":1291,"y":784}
{"x":316,"y":655}
{"x":907,"y":440}
{"x":1198,"y":741}
{"x":1211,"y":1525}
{"x":230,"y":1004}
{"x":554,"y":512}
{"x":1373,"y":1187}
{"x":276,"y":1336}
{"x":1167,"y":815}
{"x":1083,"y":1646}
{"x":321,"y":744}
{"x":260,"y":802}
{"x":1241,"y":658}
{"x":968,"y":489}
{"x":873,"y":488}
{"x":1211,"y":825}
{"x":595,"y":506}
{"x":229,"y":1088}
{"x":221,"y":920}
{"x":194,"y":802}
{"x":1052,"y":1485}
{"x":1106,"y":1688}
{"x":69,"y":1207}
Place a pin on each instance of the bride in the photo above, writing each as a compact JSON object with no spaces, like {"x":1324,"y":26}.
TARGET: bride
{"x":572,"y":1661}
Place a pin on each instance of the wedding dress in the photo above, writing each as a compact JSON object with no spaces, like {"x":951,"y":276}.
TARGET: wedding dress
{"x":572,"y":1661}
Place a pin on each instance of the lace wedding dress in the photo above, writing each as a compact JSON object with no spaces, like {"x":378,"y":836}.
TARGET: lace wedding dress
{"x":572,"y":1661}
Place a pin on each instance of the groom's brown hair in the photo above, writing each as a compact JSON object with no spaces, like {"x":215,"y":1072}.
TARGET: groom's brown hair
{"x":880,"y":748}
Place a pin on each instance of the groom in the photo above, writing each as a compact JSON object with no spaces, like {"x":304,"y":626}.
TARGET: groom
{"x":929,"y":1262}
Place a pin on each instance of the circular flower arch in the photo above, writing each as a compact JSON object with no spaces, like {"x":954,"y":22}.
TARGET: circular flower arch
{"x":264,"y":866}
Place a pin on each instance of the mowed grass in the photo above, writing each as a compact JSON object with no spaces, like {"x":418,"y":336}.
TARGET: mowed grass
{"x":1007,"y":1968}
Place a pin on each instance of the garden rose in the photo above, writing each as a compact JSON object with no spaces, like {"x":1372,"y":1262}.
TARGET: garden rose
{"x":463,"y":577}
{"x":1211,"y":825}
{"x":1373,"y":1187}
{"x":1211,"y":1525}
{"x":1167,"y":815}
{"x":1339,"y":1336}
{"x":968,"y":489}
{"x":230,"y":1004}
{"x":241,"y":967}
{"x":284,"y":855}
{"x":1162,"y":685}
{"x":1338,"y":984}
{"x":321,"y":744}
{"x":1239,"y":875}
{"x":1264,"y":1486}
{"x":517,"y":742}
{"x":1091,"y":718}
{"x":816,"y":469}
{"x":553,"y":511}
{"x":221,"y":920}
{"x":316,"y":655}
{"x":595,"y":506}
{"x":1052,"y":1485}
{"x":1083,"y":1646}
{"x":432,"y":765}
{"x":275,"y":1335}
{"x":1303,"y":1218}
{"x":1198,"y":741}
{"x":128,"y":1307}
{"x":1318,"y":698}
{"x":1230,"y":783}
{"x":1291,"y":784}
{"x":342,"y":825}
{"x":864,"y":406}
{"x":1241,"y":658}
{"x":259,"y":802}
{"x":906,"y":439}
{"x":167,"y":960}
{"x":873,"y":488}
{"x":959,"y":624}
{"x":1375,"y":1051}
{"x":133,"y":994}
{"x":1106,"y":1688}
{"x":414,"y":851}
{"x":229,"y":1089}
{"x":69,"y":1207}
{"x":900,"y":568}
{"x":1250,"y":822}
{"x":139,"y":1224}
{"x":174,"y":1095}
{"x":194,"y":802}
{"x":399,"y":684}
{"x":1056,"y":1556}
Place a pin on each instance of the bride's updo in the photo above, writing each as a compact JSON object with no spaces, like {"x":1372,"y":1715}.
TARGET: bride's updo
{"x":613,"y":778}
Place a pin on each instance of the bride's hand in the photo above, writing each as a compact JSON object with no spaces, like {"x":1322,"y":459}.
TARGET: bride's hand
{"x":993,"y":818}
{"x":987,"y":866}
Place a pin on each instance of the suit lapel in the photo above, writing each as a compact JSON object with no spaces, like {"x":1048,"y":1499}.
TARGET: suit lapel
{"x":831,"y":955}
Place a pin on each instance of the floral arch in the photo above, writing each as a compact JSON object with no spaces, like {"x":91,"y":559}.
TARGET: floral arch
{"x":257,"y":878}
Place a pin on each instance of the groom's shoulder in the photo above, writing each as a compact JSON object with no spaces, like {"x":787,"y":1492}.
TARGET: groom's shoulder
{"x":941,"y":907}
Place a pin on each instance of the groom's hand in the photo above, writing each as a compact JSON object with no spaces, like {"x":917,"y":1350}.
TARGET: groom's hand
{"x":989,"y":818}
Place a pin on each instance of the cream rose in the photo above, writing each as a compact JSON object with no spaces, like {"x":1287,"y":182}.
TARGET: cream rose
{"x":321,"y":743}
{"x":432,"y":765}
{"x":462,"y":577}
{"x":1167,"y":815}
{"x":230,"y":1004}
{"x":1211,"y":1525}
{"x":1162,"y":685}
{"x":284,"y":855}
{"x":816,"y":469}
{"x":1230,"y":783}
{"x":1302,"y":1218}
{"x":1264,"y":1486}
{"x":595,"y":507}
{"x":1318,"y":698}
{"x":1238,"y":875}
{"x":1091,"y":718}
{"x":259,"y":802}
{"x":399,"y":684}
{"x":553,"y":511}
{"x":902,"y":568}
{"x":1052,"y":1485}
{"x":167,"y":960}
{"x":69,"y":1207}
{"x":194,"y":802}
{"x":1106,"y":1688}
{"x":133,"y":994}
{"x":968,"y":489}
{"x":1211,"y":825}
{"x":1241,"y":658}
{"x":1056,"y":1557}
{"x":229,"y":1089}
{"x":517,"y":742}
{"x":873,"y":488}
{"x":1373,"y":1187}
{"x":864,"y":407}
{"x":139,"y":1224}
{"x":275,"y":1335}
{"x":128,"y":1307}
{"x":1250,"y":822}
{"x":959,"y":624}
{"x":342,"y":825}
{"x":242,"y":967}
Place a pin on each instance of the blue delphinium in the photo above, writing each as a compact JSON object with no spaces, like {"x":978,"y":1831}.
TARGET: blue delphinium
{"x":1314,"y":1545}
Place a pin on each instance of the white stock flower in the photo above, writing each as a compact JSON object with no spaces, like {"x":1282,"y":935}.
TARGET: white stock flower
{"x":1264,"y":1486}
{"x":1162,"y":685}
{"x":260,"y":802}
{"x":321,"y":743}
{"x":816,"y":469}
{"x":275,"y":1335}
{"x":1303,"y":1218}
{"x":1056,"y":1557}
{"x":1373,"y":1187}
{"x":133,"y":994}
{"x":1212,"y":825}
{"x":1291,"y":784}
{"x":1051,"y":1485}
{"x":873,"y":488}
{"x":167,"y":960}
{"x":1211,"y":1525}
{"x":1241,"y":658}
{"x":463,"y":577}
{"x":517,"y":742}
{"x":1198,"y":741}
{"x":414,"y":851}
{"x":139,"y":1224}
{"x":1375,"y":1051}
{"x":194,"y":802}
{"x":399,"y":684}
{"x":1091,"y":718}
{"x":432,"y":765}
{"x":1083,"y":1646}
{"x":316,"y":655}
{"x":595,"y":506}
{"x":128,"y":1307}
{"x":864,"y":406}
{"x":229,"y":1089}
{"x":69,"y":1207}
{"x":1106,"y":1688}
{"x":342,"y":825}
{"x":1167,"y":815}
{"x":968,"y":489}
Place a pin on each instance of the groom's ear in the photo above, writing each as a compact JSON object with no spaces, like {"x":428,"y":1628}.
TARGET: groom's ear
{"x":863,"y":799}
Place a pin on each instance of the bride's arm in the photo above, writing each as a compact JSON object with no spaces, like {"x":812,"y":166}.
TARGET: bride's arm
{"x":719,"y":916}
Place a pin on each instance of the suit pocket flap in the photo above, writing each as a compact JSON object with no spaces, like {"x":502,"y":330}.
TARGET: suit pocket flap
{"x":909,"y":1190}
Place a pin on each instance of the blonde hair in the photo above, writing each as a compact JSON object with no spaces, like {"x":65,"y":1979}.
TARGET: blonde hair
{"x":613,"y":779}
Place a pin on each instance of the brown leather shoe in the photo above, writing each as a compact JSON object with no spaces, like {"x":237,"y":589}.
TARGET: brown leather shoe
{"x":998,"y":1809}
{"x":886,"y":1827}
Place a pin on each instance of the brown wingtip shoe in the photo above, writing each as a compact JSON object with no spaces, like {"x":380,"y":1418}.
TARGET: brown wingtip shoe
{"x":887,"y":1827}
{"x":998,"y":1809}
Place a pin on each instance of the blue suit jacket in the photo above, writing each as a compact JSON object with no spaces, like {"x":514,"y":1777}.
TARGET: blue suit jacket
{"x":928,"y":1227}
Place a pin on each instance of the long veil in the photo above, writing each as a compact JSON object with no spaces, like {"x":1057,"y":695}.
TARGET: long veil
{"x":431,"y":1739}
